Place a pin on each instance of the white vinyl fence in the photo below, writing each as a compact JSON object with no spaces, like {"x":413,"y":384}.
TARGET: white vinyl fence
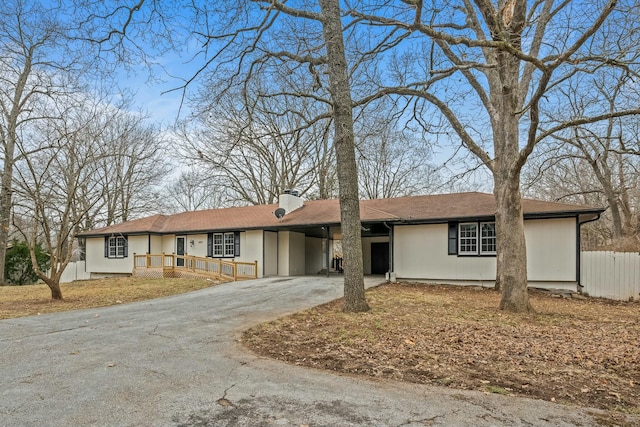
{"x":613,"y":275}
{"x":75,"y":271}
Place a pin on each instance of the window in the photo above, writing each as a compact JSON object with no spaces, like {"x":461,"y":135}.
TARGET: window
{"x":223,"y":245}
{"x":488,"y":238}
{"x":472,"y":238}
{"x":229,"y":239}
{"x":115,"y":247}
{"x":468,"y":239}
{"x":218,"y":249}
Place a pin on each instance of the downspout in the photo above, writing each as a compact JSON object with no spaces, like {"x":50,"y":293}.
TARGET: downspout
{"x":326,"y":236}
{"x":390,"y":249}
{"x":578,"y":244}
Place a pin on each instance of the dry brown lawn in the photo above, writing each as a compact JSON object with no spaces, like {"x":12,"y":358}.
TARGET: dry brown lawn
{"x":18,"y":301}
{"x":578,"y":352}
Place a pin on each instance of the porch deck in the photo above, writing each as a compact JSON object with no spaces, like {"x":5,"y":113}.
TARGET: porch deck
{"x":171,"y":265}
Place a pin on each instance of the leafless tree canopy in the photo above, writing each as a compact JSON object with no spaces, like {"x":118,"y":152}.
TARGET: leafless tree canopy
{"x":285,"y":86}
{"x":595,"y":164}
{"x":56,"y":125}
{"x":256,"y":147}
{"x":37,"y":68}
{"x":97,"y":164}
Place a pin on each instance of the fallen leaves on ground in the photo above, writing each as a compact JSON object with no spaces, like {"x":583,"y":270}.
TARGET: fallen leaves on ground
{"x":580,"y":352}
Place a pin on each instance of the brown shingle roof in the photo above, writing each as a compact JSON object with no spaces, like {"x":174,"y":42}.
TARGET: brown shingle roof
{"x":433,"y":208}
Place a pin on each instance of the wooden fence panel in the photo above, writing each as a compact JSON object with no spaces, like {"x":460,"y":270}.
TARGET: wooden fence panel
{"x":613,"y":275}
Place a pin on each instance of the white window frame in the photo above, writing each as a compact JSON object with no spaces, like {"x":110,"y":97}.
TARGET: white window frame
{"x":485,"y":240}
{"x":218,"y":246}
{"x":224,"y":245}
{"x":467,"y":240}
{"x":116,"y":246}
{"x":229,"y":244}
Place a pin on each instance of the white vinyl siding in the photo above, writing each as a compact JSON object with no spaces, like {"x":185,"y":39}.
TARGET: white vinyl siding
{"x":420,"y":253}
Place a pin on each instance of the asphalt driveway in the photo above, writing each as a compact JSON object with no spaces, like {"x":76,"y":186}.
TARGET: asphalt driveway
{"x":175,"y":362}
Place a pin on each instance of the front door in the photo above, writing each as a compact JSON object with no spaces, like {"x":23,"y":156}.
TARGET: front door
{"x":180,"y":245}
{"x":379,"y":257}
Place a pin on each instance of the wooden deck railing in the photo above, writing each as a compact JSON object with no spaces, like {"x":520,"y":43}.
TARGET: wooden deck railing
{"x":172,"y":265}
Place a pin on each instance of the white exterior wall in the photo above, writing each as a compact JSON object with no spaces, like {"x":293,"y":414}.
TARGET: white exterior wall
{"x":283,"y":253}
{"x":168,"y":244}
{"x":270,"y":254}
{"x":156,"y":244}
{"x":291,"y":253}
{"x":97,"y":263}
{"x":199,"y":247}
{"x":252,"y":248}
{"x":297,"y":254}
{"x":137,"y":245}
{"x":314,"y":257}
{"x":551,"y":249}
{"x":420,"y":252}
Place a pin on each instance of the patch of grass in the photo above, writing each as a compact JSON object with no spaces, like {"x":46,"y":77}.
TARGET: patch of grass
{"x":19,"y":301}
{"x":497,"y":390}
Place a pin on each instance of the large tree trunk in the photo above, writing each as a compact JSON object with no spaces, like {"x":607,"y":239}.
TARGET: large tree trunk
{"x":354,"y":295}
{"x":604,"y":175}
{"x":5,"y":211}
{"x":6,"y":190}
{"x":616,"y":216}
{"x":10,"y":138}
{"x":511,"y":263}
{"x":511,"y":272}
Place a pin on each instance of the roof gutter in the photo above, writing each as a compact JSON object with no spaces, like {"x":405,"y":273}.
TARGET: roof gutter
{"x":579,"y":244}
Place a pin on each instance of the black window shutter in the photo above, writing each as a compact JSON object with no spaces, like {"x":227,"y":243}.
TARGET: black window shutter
{"x":453,"y":238}
{"x":126,"y":246}
{"x":106,"y":246}
{"x":236,"y":244}
{"x":210,"y":244}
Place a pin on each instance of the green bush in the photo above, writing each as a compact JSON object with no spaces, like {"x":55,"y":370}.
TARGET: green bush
{"x":18,"y":269}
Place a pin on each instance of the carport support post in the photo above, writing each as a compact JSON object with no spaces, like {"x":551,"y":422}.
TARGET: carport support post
{"x":390,"y":250}
{"x":326,"y":230}
{"x":390,"y":228}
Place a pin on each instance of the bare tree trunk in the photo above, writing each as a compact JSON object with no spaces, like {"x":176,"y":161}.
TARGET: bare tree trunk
{"x":511,"y":262}
{"x":5,"y":211}
{"x":354,"y":295}
{"x":54,"y":286}
{"x":614,"y":207}
{"x":511,"y":271}
{"x":604,"y":175}
{"x":9,"y":141}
